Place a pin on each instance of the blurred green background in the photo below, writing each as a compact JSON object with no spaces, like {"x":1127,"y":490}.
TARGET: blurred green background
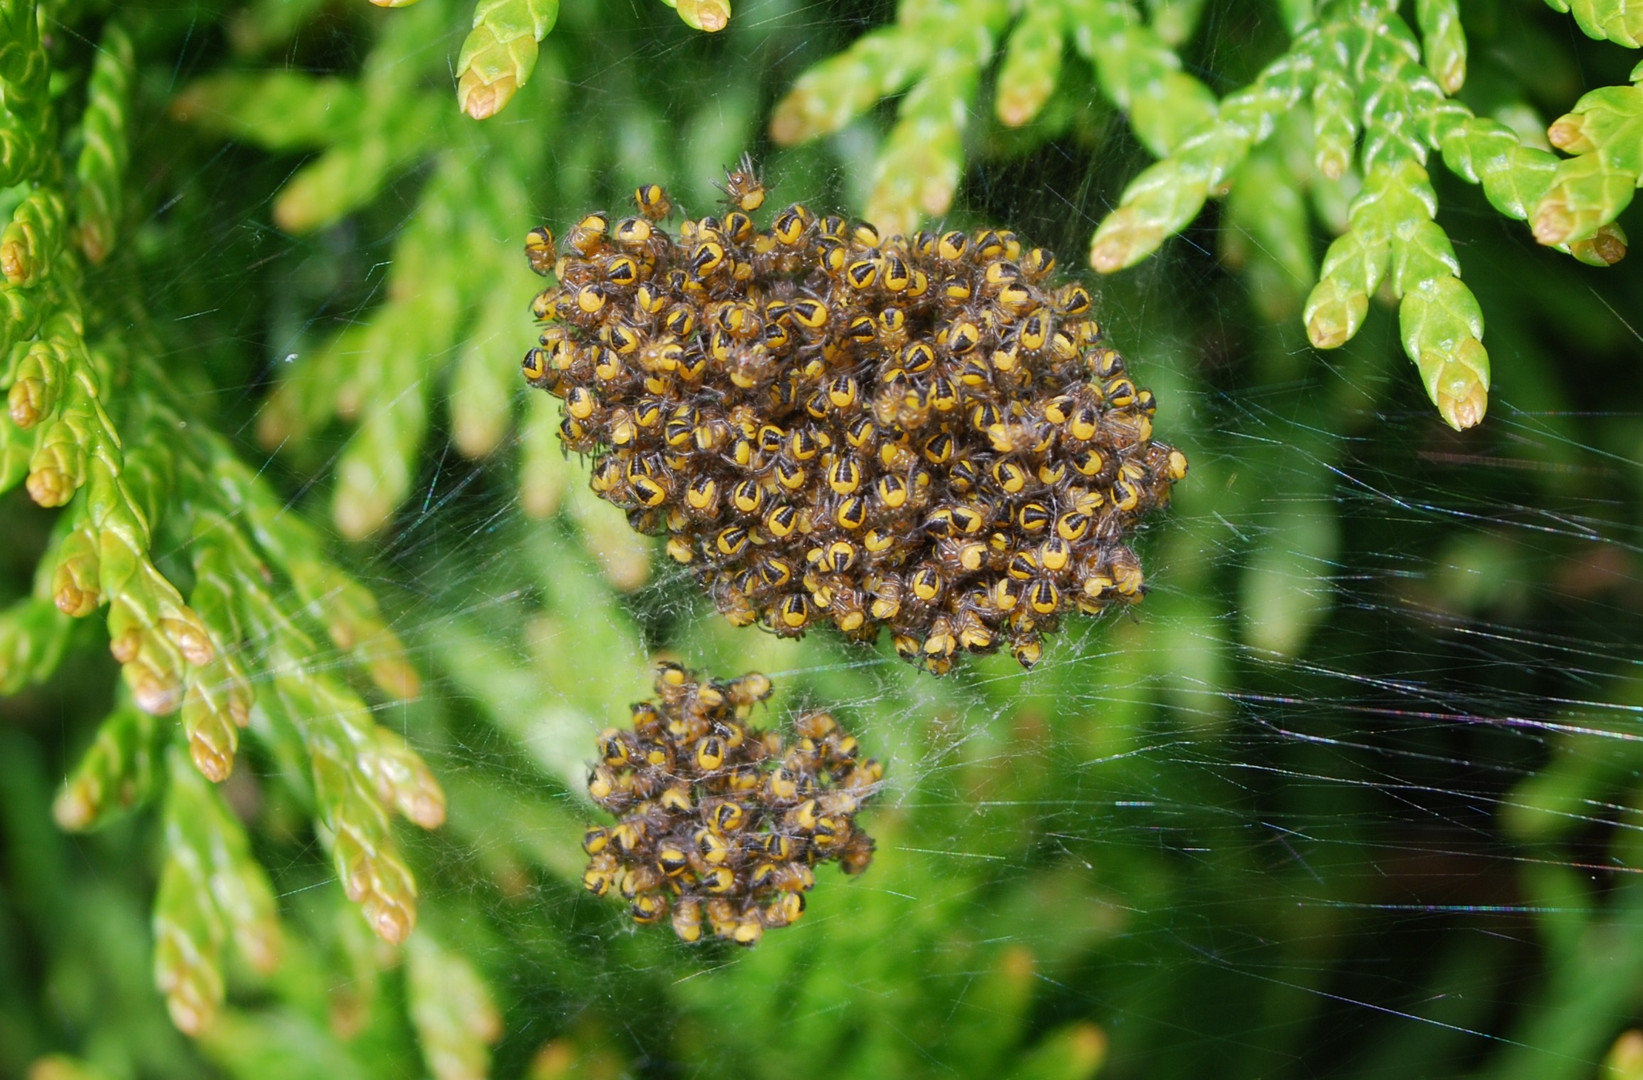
{"x":1354,"y":793}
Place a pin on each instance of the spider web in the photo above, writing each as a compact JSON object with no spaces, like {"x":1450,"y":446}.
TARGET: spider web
{"x":1353,"y":793}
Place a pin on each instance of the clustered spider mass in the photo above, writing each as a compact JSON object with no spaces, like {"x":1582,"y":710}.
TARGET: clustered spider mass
{"x":926,"y":433}
{"x":719,"y":820}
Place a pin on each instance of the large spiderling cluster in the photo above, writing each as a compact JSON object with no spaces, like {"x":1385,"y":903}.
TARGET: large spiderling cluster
{"x":720,"y":819}
{"x":928,"y":433}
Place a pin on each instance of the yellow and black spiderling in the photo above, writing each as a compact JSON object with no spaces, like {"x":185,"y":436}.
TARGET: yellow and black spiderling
{"x":743,"y":188}
{"x":720,"y":825}
{"x":938,"y":405}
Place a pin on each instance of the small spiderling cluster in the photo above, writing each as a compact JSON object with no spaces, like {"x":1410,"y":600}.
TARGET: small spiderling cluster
{"x":928,"y":433}
{"x":721,"y":819}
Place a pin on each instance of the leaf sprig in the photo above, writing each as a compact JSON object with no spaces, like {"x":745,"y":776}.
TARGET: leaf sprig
{"x":499,"y":53}
{"x":223,"y":628}
{"x":435,"y":335}
{"x":1373,"y":97}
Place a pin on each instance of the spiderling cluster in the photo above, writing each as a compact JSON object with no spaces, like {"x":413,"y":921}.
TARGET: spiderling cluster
{"x":721,"y":819}
{"x":928,"y":433}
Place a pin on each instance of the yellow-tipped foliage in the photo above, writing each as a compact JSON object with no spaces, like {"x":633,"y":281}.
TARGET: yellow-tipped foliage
{"x":103,"y":426}
{"x":500,"y":52}
{"x":1378,"y":93}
